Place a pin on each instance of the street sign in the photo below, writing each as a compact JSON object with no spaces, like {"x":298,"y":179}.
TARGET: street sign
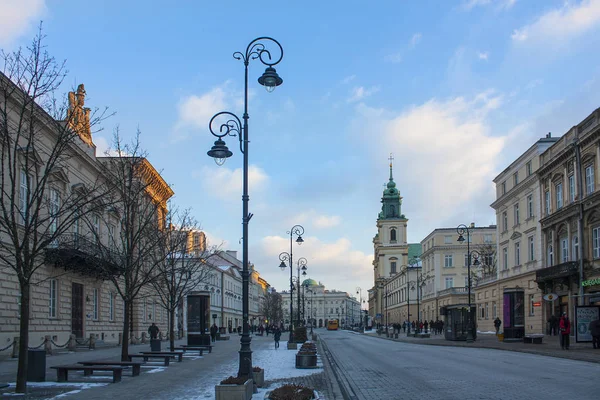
{"x":379,"y":315}
{"x":537,"y":304}
{"x":550,"y":297}
{"x":215,"y":316}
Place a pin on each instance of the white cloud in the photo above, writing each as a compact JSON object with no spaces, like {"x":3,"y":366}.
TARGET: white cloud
{"x":501,"y":4}
{"x":416,"y":38}
{"x":360,"y":92}
{"x":318,"y":221}
{"x":394,"y":58}
{"x":326,"y":221}
{"x":348,"y":79}
{"x":226,"y":184}
{"x":335,"y":263}
{"x":17,"y":17}
{"x":563,"y":23}
{"x":483,"y":55}
{"x":448,"y":144}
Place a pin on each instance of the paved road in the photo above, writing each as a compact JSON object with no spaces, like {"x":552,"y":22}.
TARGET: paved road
{"x":371,"y":368}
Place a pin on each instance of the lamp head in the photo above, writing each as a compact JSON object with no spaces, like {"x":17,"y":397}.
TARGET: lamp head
{"x":299,"y":240}
{"x":270,"y":79}
{"x":219,"y":152}
{"x":461,"y":238}
{"x":282,"y":266}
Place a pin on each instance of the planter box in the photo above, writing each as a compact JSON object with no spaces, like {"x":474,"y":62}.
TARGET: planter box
{"x":305,"y":361}
{"x":315,"y":395}
{"x":259,"y":378}
{"x":314,"y":337}
{"x":234,"y":392}
{"x":292,"y":346}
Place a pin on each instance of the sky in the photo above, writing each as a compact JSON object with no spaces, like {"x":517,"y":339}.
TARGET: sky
{"x":455,"y":90}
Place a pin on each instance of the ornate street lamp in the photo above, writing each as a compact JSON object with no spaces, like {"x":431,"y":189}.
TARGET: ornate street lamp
{"x":230,"y":125}
{"x":461,"y":230}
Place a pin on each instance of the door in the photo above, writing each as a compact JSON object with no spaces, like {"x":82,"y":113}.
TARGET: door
{"x":77,"y":310}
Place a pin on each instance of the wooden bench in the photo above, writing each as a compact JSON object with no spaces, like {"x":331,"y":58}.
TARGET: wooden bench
{"x":535,"y":338}
{"x":191,"y":348}
{"x":174,"y":354}
{"x":62,"y":371}
{"x":200,"y":346}
{"x":135,"y":365}
{"x":145,"y":357}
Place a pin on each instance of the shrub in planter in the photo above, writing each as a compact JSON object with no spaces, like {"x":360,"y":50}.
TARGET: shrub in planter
{"x":300,"y":334}
{"x":259,"y":376}
{"x":234,"y":388}
{"x":292,"y":392}
{"x":233,"y":380}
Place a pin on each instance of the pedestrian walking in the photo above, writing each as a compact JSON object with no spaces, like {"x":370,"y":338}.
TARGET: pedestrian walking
{"x":277,"y":336}
{"x":565,"y":331}
{"x":553,"y":324}
{"x":426,"y":325}
{"x":595,"y":331}
{"x":497,"y":324}
{"x":213,"y":332}
{"x":404,"y":326}
{"x":153,"y":331}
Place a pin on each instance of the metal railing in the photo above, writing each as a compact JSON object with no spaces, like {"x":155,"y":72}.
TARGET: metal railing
{"x":557,"y":271}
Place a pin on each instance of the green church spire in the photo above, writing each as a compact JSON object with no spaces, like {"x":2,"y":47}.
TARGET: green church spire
{"x":391,"y":200}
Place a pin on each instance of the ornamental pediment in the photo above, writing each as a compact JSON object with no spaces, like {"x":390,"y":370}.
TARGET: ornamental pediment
{"x":515,"y":236}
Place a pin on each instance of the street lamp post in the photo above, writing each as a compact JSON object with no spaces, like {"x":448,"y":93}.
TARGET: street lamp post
{"x":461,"y":230}
{"x":233,"y":127}
{"x":359,"y":292}
{"x":297,"y":230}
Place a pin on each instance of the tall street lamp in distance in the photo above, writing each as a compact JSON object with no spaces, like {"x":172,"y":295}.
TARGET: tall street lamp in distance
{"x":225,"y":124}
{"x":298,"y":231}
{"x":461,"y":230}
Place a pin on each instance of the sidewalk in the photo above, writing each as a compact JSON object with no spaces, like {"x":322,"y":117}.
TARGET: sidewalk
{"x":549,"y":347}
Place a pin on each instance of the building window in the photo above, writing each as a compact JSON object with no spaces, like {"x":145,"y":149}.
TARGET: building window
{"x":393,"y":235}
{"x":575,"y":248}
{"x":111,"y":306}
{"x":487,"y":310}
{"x":504,"y":221}
{"x":96,"y":304}
{"x":53,"y":299}
{"x":53,"y":210}
{"x":96,"y":221}
{"x":547,"y":202}
{"x":589,"y":179}
{"x":596,"y":242}
{"x":494,"y":310}
{"x":111,"y":237}
{"x":531,"y":305}
{"x":550,"y":255}
{"x":530,"y":206}
{"x":516,"y":178}
{"x":516,"y":211}
{"x":481,"y":311}
{"x":448,"y":239}
{"x":23,"y":195}
{"x":504,"y":187}
{"x":517,"y":253}
{"x":449,"y":282}
{"x":487,"y":238}
{"x":529,"y":168}
{"x":393,"y":267}
{"x":467,"y":282}
{"x":531,"y":246}
{"x":564,"y":249}
{"x":466,"y":259}
{"x":559,"y":196}
{"x":571,"y":188}
{"x":448,"y":260}
{"x":505,"y":258}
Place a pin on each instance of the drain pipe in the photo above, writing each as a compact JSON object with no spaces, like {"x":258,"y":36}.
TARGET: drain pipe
{"x":580,"y":243}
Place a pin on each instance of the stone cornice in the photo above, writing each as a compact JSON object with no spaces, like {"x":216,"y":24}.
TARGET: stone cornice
{"x":511,"y":194}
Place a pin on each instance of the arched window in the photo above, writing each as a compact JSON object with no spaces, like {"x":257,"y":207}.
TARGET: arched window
{"x":393,"y":235}
{"x":550,"y":259}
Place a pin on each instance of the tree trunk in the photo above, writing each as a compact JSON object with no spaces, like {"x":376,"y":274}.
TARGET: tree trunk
{"x":24,"y":340}
{"x":172,"y":329}
{"x":125,"y":342}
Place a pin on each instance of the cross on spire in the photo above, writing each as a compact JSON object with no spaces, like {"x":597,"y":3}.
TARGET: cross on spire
{"x":391,"y":159}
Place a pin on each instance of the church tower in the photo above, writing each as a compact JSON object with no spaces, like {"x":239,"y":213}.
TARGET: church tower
{"x":390,"y":245}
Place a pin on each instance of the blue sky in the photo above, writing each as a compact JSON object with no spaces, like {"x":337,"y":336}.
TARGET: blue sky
{"x":456,"y":90}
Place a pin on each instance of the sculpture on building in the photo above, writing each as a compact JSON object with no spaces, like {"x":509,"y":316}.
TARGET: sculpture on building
{"x":78,"y":116}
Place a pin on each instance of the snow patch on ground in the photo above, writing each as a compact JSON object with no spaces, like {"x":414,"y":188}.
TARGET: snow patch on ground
{"x":280,"y":363}
{"x":155,"y":370}
{"x":66,"y":394}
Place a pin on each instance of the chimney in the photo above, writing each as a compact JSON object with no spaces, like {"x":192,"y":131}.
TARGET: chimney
{"x":549,"y":135}
{"x":472,"y":225}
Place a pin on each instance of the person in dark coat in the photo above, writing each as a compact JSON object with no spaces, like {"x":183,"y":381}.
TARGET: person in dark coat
{"x":153,"y":331}
{"x":276,"y":336}
{"x":497,"y":324}
{"x":564,"y":326}
{"x":213,"y":333}
{"x":595,"y":331}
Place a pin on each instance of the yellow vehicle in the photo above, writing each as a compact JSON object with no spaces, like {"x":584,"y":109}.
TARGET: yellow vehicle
{"x":332,"y":325}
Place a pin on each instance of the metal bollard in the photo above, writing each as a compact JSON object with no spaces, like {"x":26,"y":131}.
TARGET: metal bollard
{"x":120,"y":338}
{"x":92,"y":341}
{"x":72,"y":346}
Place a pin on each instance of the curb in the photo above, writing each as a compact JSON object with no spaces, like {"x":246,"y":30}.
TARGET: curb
{"x":340,"y":386}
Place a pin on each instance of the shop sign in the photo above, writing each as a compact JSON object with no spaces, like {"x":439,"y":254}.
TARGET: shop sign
{"x":537,"y":304}
{"x":551,"y":297}
{"x":591,"y":282}
{"x":583,"y":316}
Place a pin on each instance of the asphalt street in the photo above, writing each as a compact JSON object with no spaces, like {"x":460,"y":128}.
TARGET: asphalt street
{"x":371,"y":368}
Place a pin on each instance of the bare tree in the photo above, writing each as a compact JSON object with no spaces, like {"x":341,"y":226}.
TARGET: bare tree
{"x":38,"y":135}
{"x":137,"y":199}
{"x":271,"y":306}
{"x":488,"y":265}
{"x":181,"y":265}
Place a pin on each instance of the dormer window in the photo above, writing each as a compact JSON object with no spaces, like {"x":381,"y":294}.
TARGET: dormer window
{"x":393,"y":235}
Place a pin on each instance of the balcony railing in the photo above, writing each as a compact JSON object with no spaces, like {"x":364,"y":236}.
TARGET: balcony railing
{"x":486,"y":279}
{"x":557,"y":271}
{"x":454,"y":290}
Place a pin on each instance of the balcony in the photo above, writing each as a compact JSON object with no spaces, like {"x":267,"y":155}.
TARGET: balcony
{"x":78,"y":253}
{"x":454,"y":290}
{"x":485,"y":279}
{"x":557,"y":271}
